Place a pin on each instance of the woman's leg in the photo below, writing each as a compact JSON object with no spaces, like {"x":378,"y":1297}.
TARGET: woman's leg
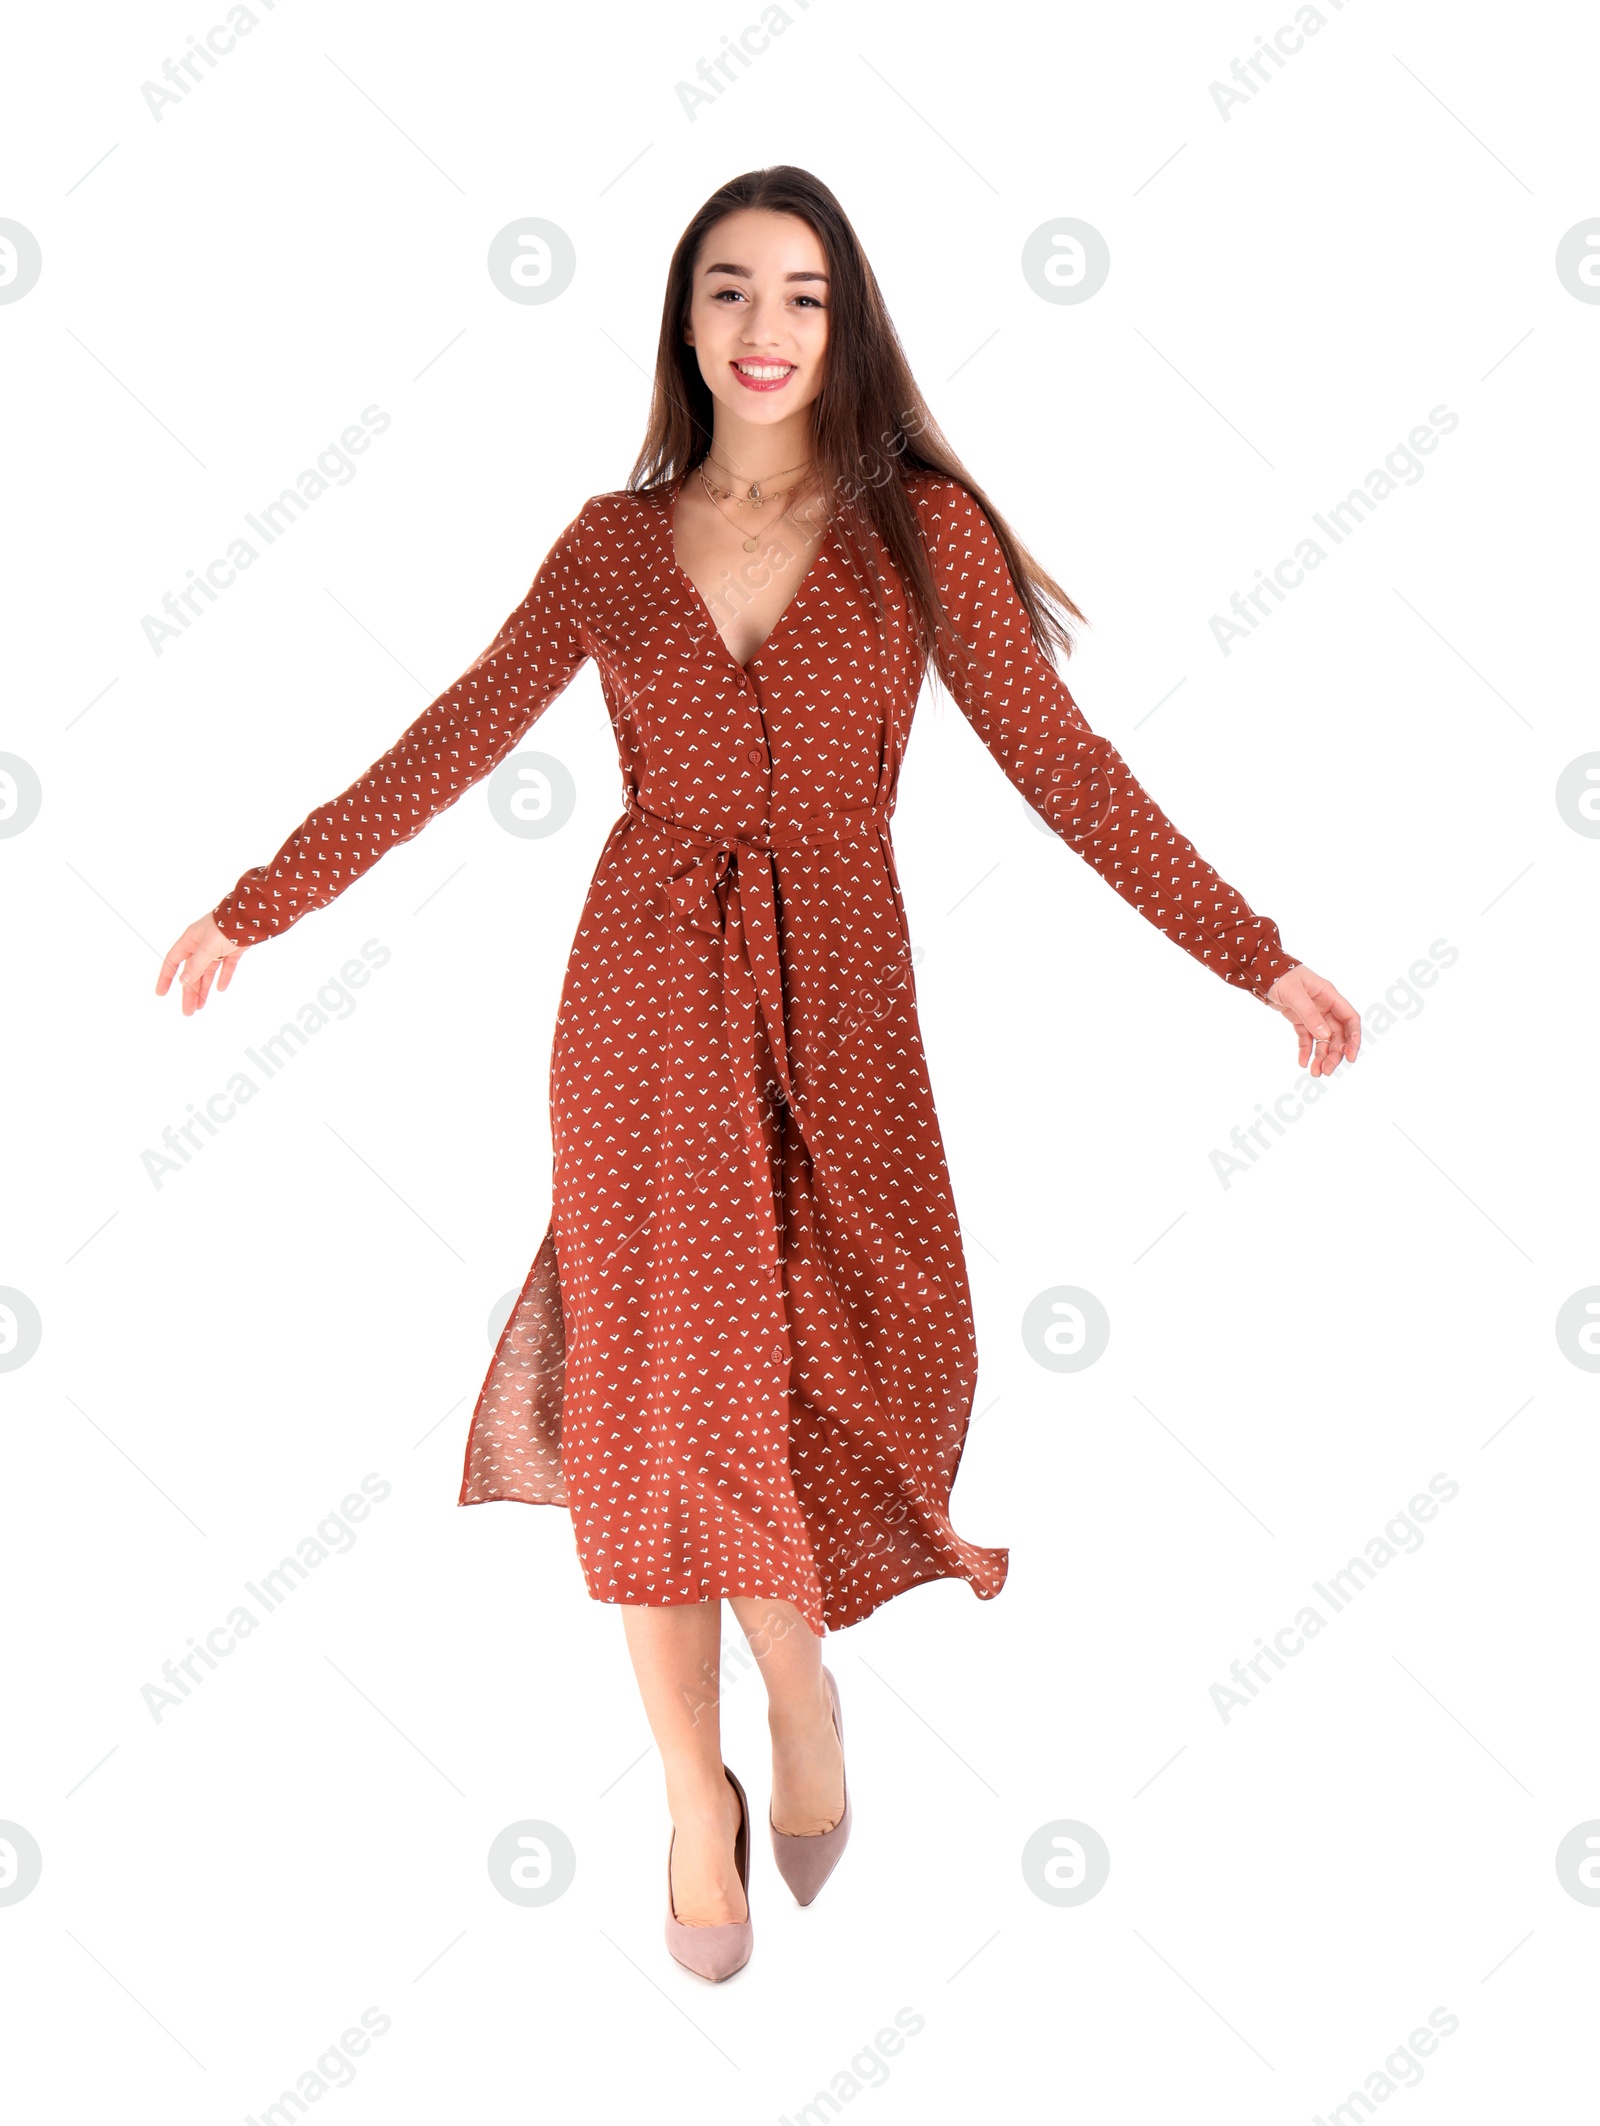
{"x":675,"y":1652}
{"x":807,"y":1761}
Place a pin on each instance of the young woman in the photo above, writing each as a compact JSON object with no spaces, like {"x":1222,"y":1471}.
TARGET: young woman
{"x":744,"y":1356}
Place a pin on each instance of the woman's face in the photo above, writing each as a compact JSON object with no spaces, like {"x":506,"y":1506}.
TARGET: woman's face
{"x":758,"y":314}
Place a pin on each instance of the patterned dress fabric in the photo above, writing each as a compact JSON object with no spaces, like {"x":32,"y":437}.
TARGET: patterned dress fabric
{"x":744,"y":1356}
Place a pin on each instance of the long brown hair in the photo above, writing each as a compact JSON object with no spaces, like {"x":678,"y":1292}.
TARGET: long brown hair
{"x":869,"y":419}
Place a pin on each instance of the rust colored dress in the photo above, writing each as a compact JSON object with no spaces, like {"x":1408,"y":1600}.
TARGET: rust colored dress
{"x":744,"y":1355}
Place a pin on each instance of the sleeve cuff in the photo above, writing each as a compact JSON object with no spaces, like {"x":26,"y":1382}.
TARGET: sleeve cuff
{"x":1269,"y":962}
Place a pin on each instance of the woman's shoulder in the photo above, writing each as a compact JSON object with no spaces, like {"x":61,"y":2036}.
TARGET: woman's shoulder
{"x":938,"y":495}
{"x":614,"y":515}
{"x":605,"y":526}
{"x":951,"y":517}
{"x":613,"y":506}
{"x":620,"y":498}
{"x":921,"y":481}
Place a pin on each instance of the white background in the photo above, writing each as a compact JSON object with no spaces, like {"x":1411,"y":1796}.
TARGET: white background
{"x":1293,"y":1889}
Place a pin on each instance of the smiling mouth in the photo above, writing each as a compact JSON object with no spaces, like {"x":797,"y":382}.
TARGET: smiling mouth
{"x":763,"y":376}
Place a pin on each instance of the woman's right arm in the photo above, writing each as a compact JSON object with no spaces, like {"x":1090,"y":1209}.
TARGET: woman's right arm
{"x":456,"y":741}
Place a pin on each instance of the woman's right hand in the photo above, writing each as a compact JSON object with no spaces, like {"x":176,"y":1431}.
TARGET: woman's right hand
{"x":204,"y":954}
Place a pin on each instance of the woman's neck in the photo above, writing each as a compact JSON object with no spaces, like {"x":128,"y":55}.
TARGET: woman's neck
{"x":768,"y":451}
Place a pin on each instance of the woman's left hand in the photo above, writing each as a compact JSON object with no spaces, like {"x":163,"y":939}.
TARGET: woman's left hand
{"x":1329,"y":1026}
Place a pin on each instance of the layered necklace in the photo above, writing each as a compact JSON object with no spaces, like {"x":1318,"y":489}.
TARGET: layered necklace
{"x":752,"y":498}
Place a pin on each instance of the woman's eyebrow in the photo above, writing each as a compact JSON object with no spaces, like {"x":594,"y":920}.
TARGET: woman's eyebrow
{"x":745,"y":273}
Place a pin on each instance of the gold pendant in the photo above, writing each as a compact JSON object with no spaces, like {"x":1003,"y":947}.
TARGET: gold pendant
{"x":750,"y":545}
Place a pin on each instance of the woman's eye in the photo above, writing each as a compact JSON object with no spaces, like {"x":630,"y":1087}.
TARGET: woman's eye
{"x":738,"y":296}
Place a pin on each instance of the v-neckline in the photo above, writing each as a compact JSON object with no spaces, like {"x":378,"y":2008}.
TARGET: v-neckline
{"x":667,"y":517}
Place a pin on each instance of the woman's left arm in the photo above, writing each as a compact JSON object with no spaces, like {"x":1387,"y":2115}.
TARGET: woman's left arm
{"x":1019,"y":705}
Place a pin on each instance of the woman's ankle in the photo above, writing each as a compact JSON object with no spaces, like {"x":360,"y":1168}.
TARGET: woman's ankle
{"x":708,"y":1798}
{"x":797,"y":1715}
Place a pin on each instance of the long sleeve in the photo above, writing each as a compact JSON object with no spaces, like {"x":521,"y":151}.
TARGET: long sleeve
{"x":453,"y":744}
{"x":1020,"y":707}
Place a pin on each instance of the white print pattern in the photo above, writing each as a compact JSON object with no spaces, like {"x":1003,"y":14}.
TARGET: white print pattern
{"x":744,"y":1355}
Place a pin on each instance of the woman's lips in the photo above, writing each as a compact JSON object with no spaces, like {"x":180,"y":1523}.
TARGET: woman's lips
{"x":764,"y":383}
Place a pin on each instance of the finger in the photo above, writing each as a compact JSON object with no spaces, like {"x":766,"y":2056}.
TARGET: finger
{"x":1308,"y":989}
{"x":1337,"y":1039}
{"x":1350,"y":1020}
{"x":1345,"y":1021}
{"x":1295,"y":1005}
{"x":193,"y":979}
{"x":169,"y":966}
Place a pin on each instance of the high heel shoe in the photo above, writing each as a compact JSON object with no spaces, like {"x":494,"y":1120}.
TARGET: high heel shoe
{"x":715,"y":1952}
{"x":806,"y":1859}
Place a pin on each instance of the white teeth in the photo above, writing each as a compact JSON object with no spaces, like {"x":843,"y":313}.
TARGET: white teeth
{"x":763,"y":370}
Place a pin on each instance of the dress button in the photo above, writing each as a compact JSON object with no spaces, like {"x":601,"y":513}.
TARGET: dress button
{"x":754,"y":753}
